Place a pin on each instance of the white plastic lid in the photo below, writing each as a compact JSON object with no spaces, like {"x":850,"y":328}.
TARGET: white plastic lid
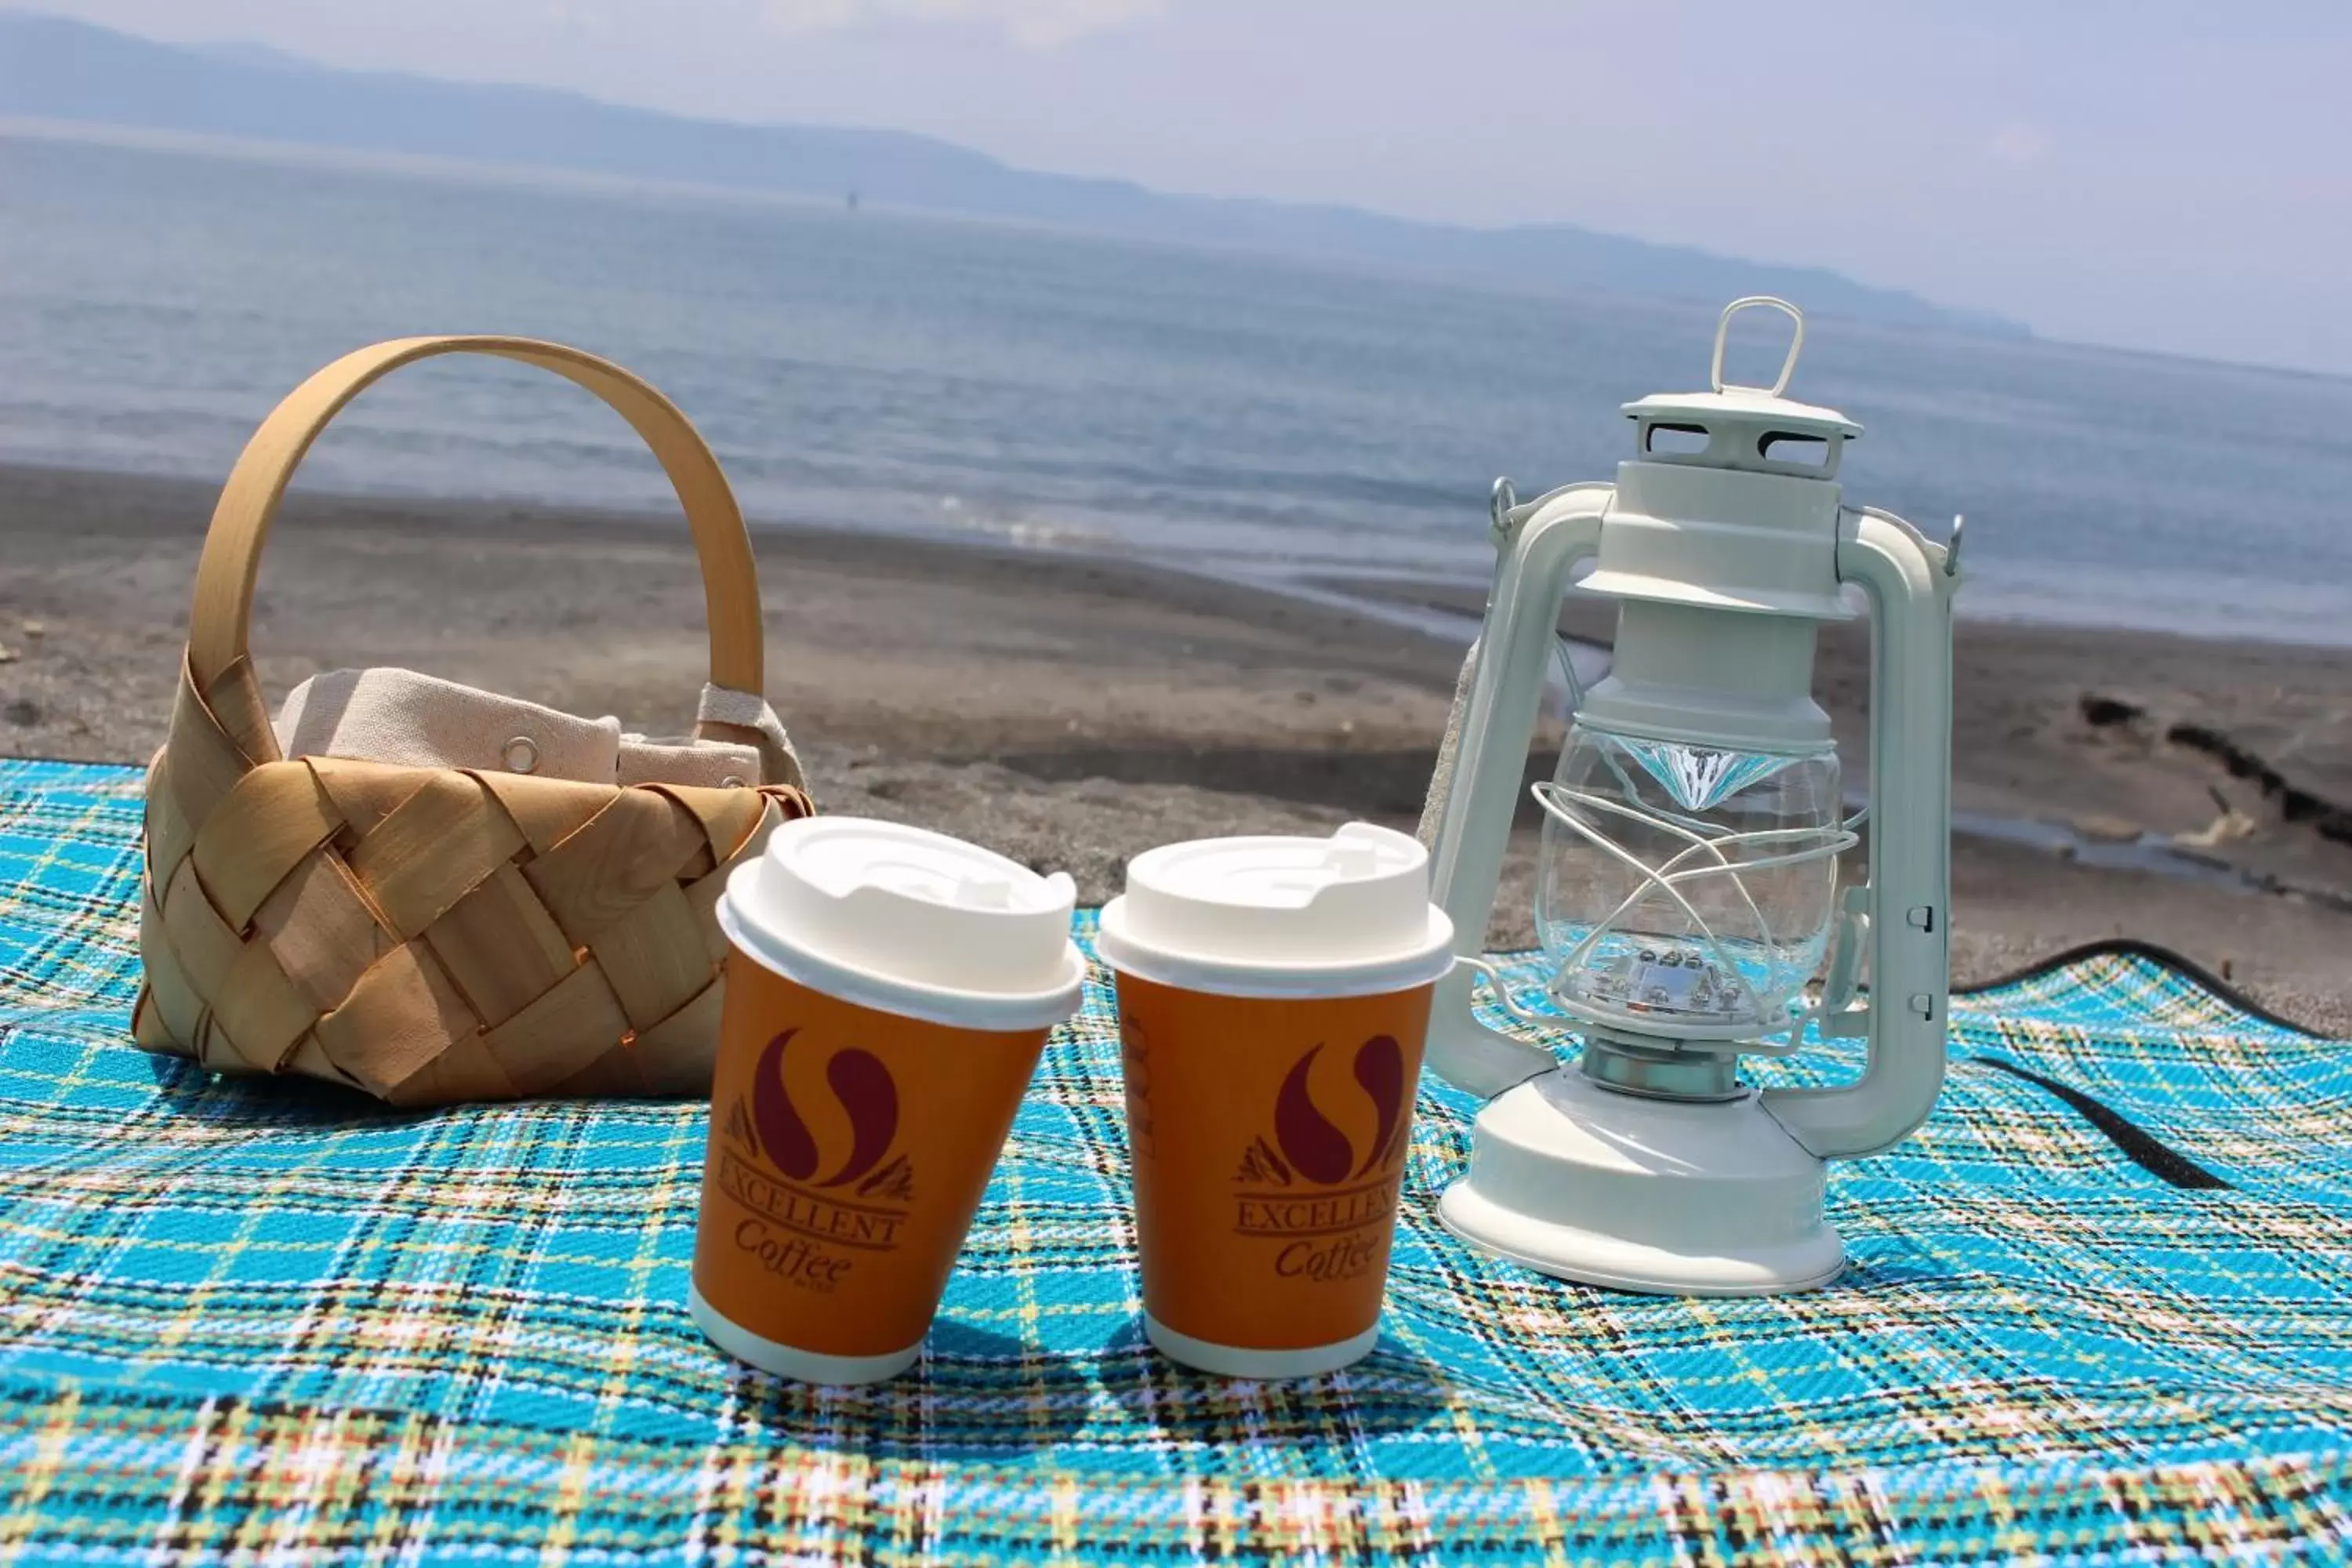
{"x":1344,"y":916}
{"x":910,"y":921}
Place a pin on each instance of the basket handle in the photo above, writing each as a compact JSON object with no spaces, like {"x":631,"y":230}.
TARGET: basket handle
{"x":220,"y":625}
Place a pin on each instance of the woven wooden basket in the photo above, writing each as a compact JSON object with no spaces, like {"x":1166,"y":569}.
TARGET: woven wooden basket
{"x":437,"y":934}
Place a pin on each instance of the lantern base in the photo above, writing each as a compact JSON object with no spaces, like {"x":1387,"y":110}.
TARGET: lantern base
{"x":1673,"y":1198}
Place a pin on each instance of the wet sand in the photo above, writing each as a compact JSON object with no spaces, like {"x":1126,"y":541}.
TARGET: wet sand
{"x":1072,"y":710}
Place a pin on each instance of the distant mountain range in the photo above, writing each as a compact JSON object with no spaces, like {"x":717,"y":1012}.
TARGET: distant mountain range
{"x":54,"y":69}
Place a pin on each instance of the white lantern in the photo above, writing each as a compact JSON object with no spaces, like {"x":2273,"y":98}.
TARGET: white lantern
{"x":1688,"y":890}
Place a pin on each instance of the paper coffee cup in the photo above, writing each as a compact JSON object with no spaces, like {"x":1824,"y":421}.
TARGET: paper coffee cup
{"x":889,"y":991}
{"x":1274,"y":996}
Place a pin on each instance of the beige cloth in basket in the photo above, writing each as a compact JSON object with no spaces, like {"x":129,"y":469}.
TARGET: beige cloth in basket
{"x":399,"y":717}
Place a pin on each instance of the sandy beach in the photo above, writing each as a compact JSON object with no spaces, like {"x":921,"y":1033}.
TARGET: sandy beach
{"x":1072,"y":710}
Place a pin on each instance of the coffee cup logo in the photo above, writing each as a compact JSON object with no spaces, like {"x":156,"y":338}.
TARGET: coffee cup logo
{"x":1307,"y":1146}
{"x":811,"y":1215}
{"x":867,"y":1092}
{"x":1328,"y":1200}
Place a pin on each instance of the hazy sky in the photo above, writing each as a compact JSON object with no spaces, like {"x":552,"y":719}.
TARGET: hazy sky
{"x":2142,"y":173}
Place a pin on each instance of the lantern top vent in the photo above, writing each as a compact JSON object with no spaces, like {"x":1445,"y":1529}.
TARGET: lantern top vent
{"x":1751,"y":428}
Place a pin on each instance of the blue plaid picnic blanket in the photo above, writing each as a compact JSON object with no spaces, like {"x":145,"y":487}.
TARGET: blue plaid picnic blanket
{"x":2098,"y":1310}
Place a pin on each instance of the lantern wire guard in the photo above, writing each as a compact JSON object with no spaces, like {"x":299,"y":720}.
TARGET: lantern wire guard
{"x":1715,"y":988}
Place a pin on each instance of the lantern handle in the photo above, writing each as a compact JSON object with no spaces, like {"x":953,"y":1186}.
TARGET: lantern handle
{"x":1723,"y":336}
{"x":1475,"y":787}
{"x":1907,"y":934}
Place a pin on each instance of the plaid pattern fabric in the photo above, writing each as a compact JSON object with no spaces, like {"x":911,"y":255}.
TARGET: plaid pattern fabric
{"x":261,"y":1322}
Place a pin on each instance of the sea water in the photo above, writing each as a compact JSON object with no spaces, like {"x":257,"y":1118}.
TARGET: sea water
{"x":1231,"y":413}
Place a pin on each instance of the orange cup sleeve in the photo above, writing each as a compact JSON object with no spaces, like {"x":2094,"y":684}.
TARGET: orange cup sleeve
{"x":849,"y":1150}
{"x":1269,"y":1139}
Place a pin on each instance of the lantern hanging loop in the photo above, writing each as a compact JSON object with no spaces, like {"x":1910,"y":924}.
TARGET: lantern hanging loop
{"x":1796,"y":342}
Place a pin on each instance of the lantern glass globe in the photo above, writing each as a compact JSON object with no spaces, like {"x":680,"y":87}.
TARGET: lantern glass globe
{"x":1686,"y":890}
